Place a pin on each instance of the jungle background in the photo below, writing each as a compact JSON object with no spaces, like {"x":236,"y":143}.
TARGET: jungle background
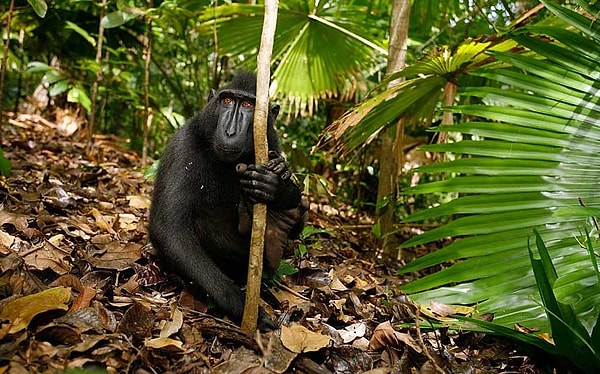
{"x":448,"y":150}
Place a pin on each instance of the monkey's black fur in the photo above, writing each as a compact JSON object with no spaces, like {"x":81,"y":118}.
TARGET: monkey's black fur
{"x":194,"y":218}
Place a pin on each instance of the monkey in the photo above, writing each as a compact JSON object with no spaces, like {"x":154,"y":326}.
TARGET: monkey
{"x":206,"y":181}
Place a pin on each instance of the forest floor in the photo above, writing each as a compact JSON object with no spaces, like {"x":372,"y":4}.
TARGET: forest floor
{"x":81,"y":289}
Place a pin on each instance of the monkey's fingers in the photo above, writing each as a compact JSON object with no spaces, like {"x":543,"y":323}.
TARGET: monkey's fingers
{"x":259,"y":191}
{"x":279,"y":166}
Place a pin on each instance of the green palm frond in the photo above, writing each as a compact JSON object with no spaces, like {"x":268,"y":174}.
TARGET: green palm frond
{"x":319,"y":51}
{"x":416,"y":98}
{"x":535,"y":150}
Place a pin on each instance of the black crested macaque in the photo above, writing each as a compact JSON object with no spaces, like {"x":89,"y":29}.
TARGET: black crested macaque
{"x":201,"y":210}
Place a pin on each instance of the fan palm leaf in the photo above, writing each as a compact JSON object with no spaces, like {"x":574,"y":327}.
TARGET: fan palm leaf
{"x":320,"y":48}
{"x":534,"y":150}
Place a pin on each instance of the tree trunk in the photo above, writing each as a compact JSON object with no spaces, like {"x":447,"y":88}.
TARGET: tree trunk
{"x":147,"y":110}
{"x":392,"y":154}
{"x":4,"y":63}
{"x":261,"y":150}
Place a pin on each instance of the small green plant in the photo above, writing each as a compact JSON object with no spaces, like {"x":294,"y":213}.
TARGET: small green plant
{"x":285,"y":268}
{"x":4,"y":165}
{"x":308,"y":240}
{"x":571,"y":339}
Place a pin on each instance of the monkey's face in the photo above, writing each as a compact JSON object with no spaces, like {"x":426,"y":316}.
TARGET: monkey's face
{"x":235,"y":114}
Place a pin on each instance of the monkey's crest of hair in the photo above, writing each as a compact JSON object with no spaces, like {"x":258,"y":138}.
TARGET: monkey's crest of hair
{"x":244,"y":81}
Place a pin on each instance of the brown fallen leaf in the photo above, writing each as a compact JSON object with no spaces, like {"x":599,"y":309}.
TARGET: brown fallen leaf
{"x":298,"y":339}
{"x":242,"y":360}
{"x":68,"y":280}
{"x":164,"y":343}
{"x":139,"y":202}
{"x":6,"y":242}
{"x":171,"y":327}
{"x":21,"y":311}
{"x":59,"y":334}
{"x":84,"y":298}
{"x":441,"y":309}
{"x":102,"y":223}
{"x":276,"y":357}
{"x":137,"y":321}
{"x":17,"y":220}
{"x":385,"y":335}
{"x":48,"y":256}
{"x":115,"y":255}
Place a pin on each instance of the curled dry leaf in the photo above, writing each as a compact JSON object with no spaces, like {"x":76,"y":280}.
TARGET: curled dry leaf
{"x":102,"y":222}
{"x":441,"y":309}
{"x":385,"y":335}
{"x":298,"y":339}
{"x":354,"y":331}
{"x":171,"y":327}
{"x":19,"y":312}
{"x":164,"y":343}
{"x":277,"y":358}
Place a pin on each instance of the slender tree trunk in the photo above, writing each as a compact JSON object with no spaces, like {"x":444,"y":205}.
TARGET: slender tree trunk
{"x":4,"y":63}
{"x":215,"y":66}
{"x":447,"y":119}
{"x":20,"y":78}
{"x":392,"y":154}
{"x":98,"y":79}
{"x":261,"y":150}
{"x":147,"y":109}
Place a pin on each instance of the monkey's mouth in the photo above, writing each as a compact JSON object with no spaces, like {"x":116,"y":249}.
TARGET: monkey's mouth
{"x":228,"y":153}
{"x":229,"y":150}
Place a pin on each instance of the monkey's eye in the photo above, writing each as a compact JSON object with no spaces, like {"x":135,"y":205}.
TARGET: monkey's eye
{"x":227,"y":101}
{"x":247,"y":104}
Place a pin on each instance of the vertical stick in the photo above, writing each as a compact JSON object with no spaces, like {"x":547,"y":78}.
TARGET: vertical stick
{"x":97,"y":79}
{"x":261,"y":111}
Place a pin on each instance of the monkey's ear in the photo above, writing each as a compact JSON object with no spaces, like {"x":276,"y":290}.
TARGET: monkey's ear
{"x":211,"y":94}
{"x":275,"y":110}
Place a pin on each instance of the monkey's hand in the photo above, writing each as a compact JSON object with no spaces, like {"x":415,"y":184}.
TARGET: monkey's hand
{"x":279,"y":165}
{"x":260,"y":183}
